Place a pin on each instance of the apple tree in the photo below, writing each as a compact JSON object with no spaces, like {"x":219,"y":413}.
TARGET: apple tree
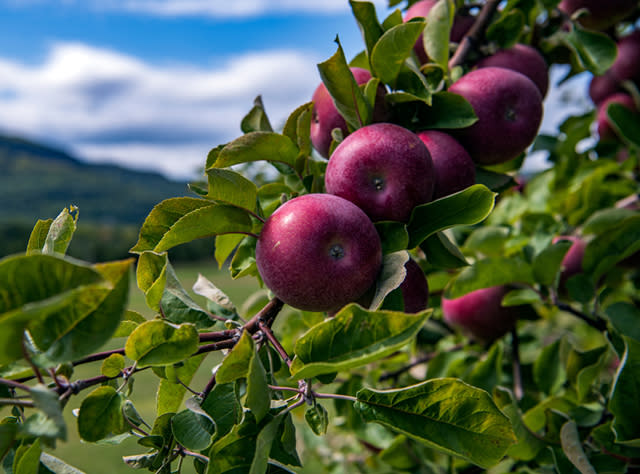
{"x":430,"y":303}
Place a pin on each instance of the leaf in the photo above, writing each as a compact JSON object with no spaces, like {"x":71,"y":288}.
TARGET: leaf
{"x":223,"y":406}
{"x":151,"y":275}
{"x":487,"y":372}
{"x":352,"y":338}
{"x":625,"y":318}
{"x":235,"y":451}
{"x":215,"y":295}
{"x":343,"y":88}
{"x":57,"y":465}
{"x":507,"y":29}
{"x":180,"y":220}
{"x":130,"y":320}
{"x":158,"y":342}
{"x":625,"y":396}
{"x":393,"y":236}
{"x":572,"y":447}
{"x":237,"y":362}
{"x":392,"y":274}
{"x":445,"y":414}
{"x":38,"y":236}
{"x":490,"y":272}
{"x":595,"y":51}
{"x":443,"y":253}
{"x":171,"y":392}
{"x":192,"y":430}
{"x":264,"y":442}
{"x":225,"y":245}
{"x":178,"y":307}
{"x":466,"y":207}
{"x":549,"y":371}
{"x":112,"y":365}
{"x":448,"y":111}
{"x":365,"y":14}
{"x":258,"y":146}
{"x":51,"y":237}
{"x":256,"y":120}
{"x":317,"y":418}
{"x":27,"y":459}
{"x":548,"y":263}
{"x":437,"y":31}
{"x":258,"y":393}
{"x":100,"y":414}
{"x":393,"y":48}
{"x":625,"y":122}
{"x":229,"y":187}
{"x":604,"y":251}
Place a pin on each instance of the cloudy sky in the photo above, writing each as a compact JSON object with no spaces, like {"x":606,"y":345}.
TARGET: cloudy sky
{"x":155,"y":84}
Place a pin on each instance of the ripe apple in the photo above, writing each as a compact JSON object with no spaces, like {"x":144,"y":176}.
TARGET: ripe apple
{"x":602,"y":14}
{"x":461,"y":24}
{"x":384,"y":169}
{"x":414,"y":288}
{"x":509,"y":109}
{"x":606,"y":132}
{"x":603,"y":86}
{"x":572,"y":261}
{"x":626,"y":67}
{"x":480,"y":313}
{"x":524,"y":59}
{"x":318,"y":252}
{"x":453,"y":166}
{"x":326,"y":116}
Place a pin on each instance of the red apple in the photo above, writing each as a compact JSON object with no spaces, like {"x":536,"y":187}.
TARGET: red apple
{"x":509,"y":109}
{"x":461,"y":24}
{"x":602,"y":87}
{"x":415,"y":289}
{"x":480,"y":313}
{"x":318,"y":252}
{"x":626,"y":67}
{"x":454,"y":167}
{"x":524,"y":59}
{"x":326,"y":116}
{"x":606,"y":132}
{"x":602,"y":13}
{"x":384,"y":169}
{"x":572,"y":261}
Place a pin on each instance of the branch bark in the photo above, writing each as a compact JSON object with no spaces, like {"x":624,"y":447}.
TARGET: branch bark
{"x":475,"y":35}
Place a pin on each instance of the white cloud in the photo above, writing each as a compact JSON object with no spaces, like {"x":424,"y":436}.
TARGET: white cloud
{"x":109,"y":106}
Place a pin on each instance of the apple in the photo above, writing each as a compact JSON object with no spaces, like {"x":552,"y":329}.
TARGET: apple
{"x":384,"y":169}
{"x":603,"y":86}
{"x":453,"y":166}
{"x":601,"y":14}
{"x":524,"y":59}
{"x":318,"y":252}
{"x":606,"y":132}
{"x":626,"y":67}
{"x":460,"y":27}
{"x":480,"y":313}
{"x":414,"y":288}
{"x":572,"y":261}
{"x":509,"y":109}
{"x":325,"y":115}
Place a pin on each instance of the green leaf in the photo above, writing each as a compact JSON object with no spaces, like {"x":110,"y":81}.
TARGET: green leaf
{"x":490,"y":272}
{"x":393,"y":48}
{"x":228,"y":187}
{"x":447,"y":111}
{"x":235,"y":451}
{"x":548,"y":263}
{"x":466,"y":207}
{"x":258,"y":146}
{"x":572,"y":447}
{"x":258,"y":393}
{"x":264,"y":442}
{"x":178,"y":307}
{"x":549,"y":371}
{"x":51,"y":237}
{"x":437,"y":32}
{"x":347,"y":95}
{"x":38,"y":236}
{"x":256,"y":120}
{"x":445,"y":414}
{"x":393,"y":236}
{"x":48,"y":402}
{"x":605,"y":220}
{"x":171,"y":392}
{"x":57,"y":465}
{"x":36,"y":287}
{"x":595,"y":51}
{"x":392,"y":274}
{"x":298,"y":129}
{"x":625,"y":122}
{"x":193,"y":430}
{"x":625,"y":396}
{"x":583,"y":369}
{"x":604,"y":251}
{"x":225,"y":245}
{"x":365,"y":15}
{"x":487,"y":372}
{"x":100,"y":415}
{"x":159,"y":342}
{"x":237,"y":362}
{"x":223,"y":406}
{"x":151,"y":275}
{"x":27,"y":459}
{"x":220,"y":301}
{"x":130,"y":320}
{"x":521,"y":297}
{"x":352,"y":338}
{"x":496,"y":182}
{"x":112,"y":365}
{"x":625,"y":318}
{"x":317,"y":418}
{"x":507,"y":29}
{"x":442,"y":253}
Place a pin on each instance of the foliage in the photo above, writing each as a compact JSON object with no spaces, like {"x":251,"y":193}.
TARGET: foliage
{"x":559,"y":393}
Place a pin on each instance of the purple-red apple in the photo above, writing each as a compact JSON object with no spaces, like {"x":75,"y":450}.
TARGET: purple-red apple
{"x":480,"y":314}
{"x":602,"y":87}
{"x":572,"y":261}
{"x":524,"y":59}
{"x":626,"y":67}
{"x":318,"y":252}
{"x":325,"y":115}
{"x":414,"y":288}
{"x":601,"y":13}
{"x":384,"y":169}
{"x":461,"y":24}
{"x":453,"y":166}
{"x":509,"y":109}
{"x":606,"y":132}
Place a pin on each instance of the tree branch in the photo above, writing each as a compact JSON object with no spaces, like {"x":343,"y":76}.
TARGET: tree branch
{"x":475,"y":35}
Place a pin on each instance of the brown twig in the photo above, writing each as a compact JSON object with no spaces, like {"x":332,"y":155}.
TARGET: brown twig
{"x":475,"y":35}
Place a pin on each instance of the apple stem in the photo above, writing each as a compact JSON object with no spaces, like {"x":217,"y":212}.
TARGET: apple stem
{"x":475,"y":34}
{"x":518,"y":391}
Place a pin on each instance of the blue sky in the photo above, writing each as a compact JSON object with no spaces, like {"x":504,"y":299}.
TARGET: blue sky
{"x":155,"y":84}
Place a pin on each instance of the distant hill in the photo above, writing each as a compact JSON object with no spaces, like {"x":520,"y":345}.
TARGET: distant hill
{"x":38,"y":181}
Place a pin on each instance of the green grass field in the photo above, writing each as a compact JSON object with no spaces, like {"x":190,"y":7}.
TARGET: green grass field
{"x":103,"y":459}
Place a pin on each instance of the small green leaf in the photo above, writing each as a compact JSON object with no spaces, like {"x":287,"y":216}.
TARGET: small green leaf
{"x":38,"y":236}
{"x":625,"y":396}
{"x":223,"y":406}
{"x":130,"y":320}
{"x":549,"y":370}
{"x":392,"y":274}
{"x":595,"y":51}
{"x":159,"y":342}
{"x":49,"y":403}
{"x":225,"y":245}
{"x":151,"y":275}
{"x":258,"y":146}
{"x":317,"y":418}
{"x":352,"y":338}
{"x":547,"y":264}
{"x":192,"y":430}
{"x":100,"y":415}
{"x":171,"y":392}
{"x":51,"y":237}
{"x":256,"y":120}
{"x":264,"y":442}
{"x":393,"y":48}
{"x":507,"y":29}
{"x":604,"y":251}
{"x":227,"y":186}
{"x":625,"y":122}
{"x":625,"y":318}
{"x":237,"y":362}
{"x":447,"y":111}
{"x":365,"y":14}
{"x":393,"y":236}
{"x":27,"y":459}
{"x":437,"y":32}
{"x":178,"y":307}
{"x":572,"y":447}
{"x":445,"y":414}
{"x":487,"y":372}
{"x":466,"y":207}
{"x":112,"y":365}
{"x":442,"y":253}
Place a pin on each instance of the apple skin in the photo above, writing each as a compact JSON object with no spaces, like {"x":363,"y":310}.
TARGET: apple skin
{"x":454,"y":167}
{"x":480,"y":314}
{"x":461,"y":24}
{"x":602,"y":14}
{"x":572,"y":261}
{"x":606,"y":132}
{"x":318,"y":252}
{"x":415,"y":288}
{"x":509,"y":109}
{"x":626,"y":67}
{"x":524,"y":59}
{"x":384,"y":169}
{"x":325,"y":115}
{"x":602,"y":87}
